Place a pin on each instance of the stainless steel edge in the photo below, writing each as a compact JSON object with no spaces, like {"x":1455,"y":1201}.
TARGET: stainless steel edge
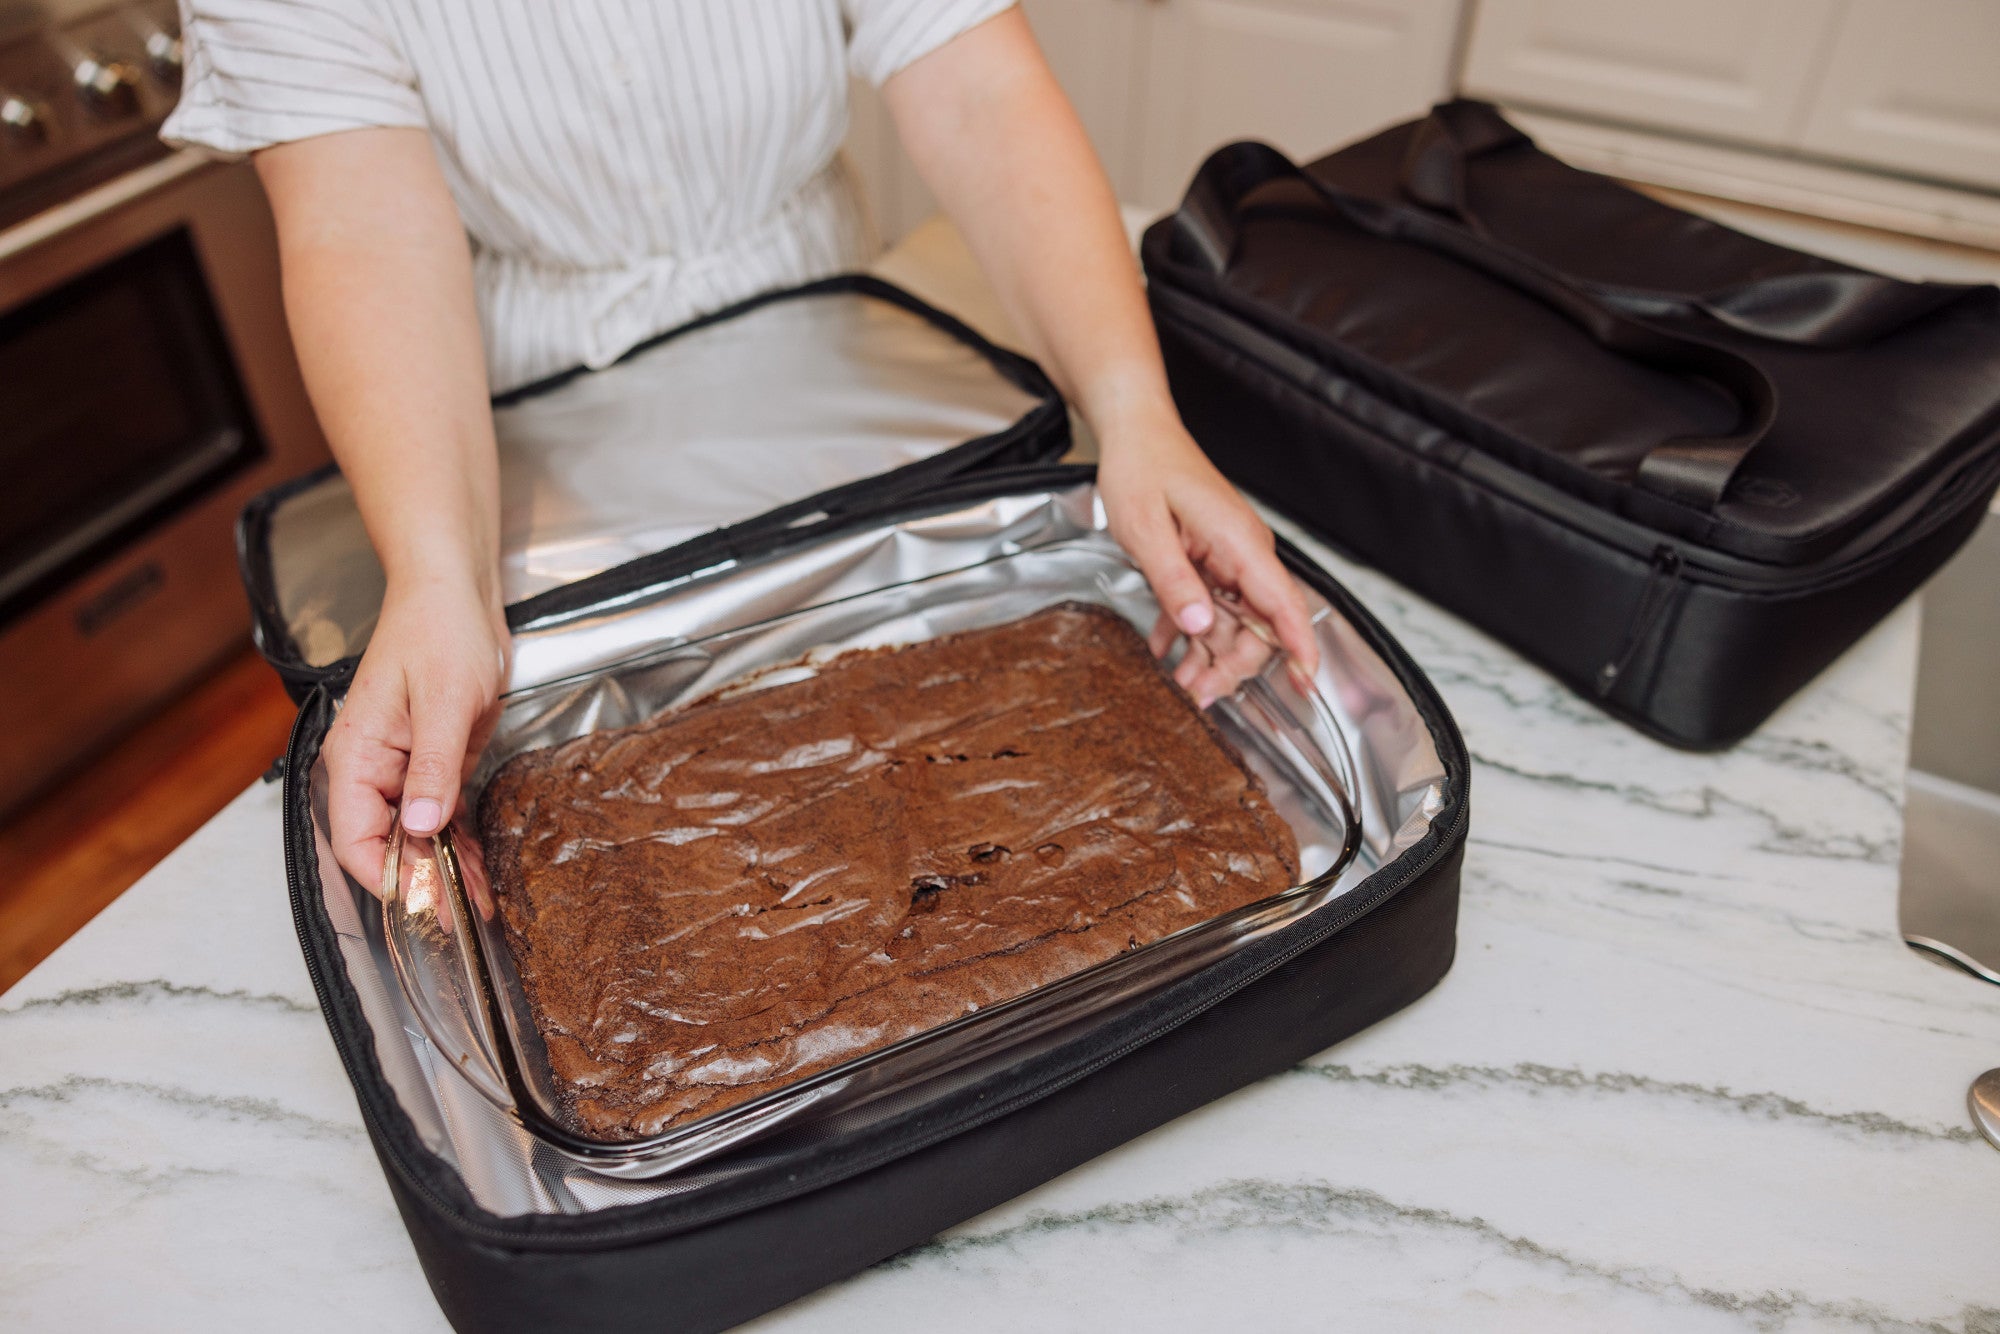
{"x":93,"y":204}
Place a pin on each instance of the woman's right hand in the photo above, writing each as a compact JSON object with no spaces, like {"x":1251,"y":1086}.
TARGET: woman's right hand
{"x":378,"y":288}
{"x":418,"y":713}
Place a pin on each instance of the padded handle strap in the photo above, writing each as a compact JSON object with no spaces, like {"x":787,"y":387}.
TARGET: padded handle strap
{"x":1830,"y":308}
{"x":1693,"y":470}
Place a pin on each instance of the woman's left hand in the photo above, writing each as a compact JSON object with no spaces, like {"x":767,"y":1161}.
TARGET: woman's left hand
{"x":1195,"y":538}
{"x":992,"y":134}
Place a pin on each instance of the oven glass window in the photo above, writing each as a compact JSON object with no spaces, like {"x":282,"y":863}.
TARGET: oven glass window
{"x":119,"y":405}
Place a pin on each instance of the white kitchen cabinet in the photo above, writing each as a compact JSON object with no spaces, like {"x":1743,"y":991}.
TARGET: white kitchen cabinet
{"x":1096,"y":48}
{"x":897,"y":199}
{"x":1738,"y":69}
{"x":1158,"y":84}
{"x":1913,"y":86}
{"x":1306,"y":75}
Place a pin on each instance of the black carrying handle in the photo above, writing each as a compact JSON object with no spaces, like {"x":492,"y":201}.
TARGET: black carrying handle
{"x":1694,"y":470}
{"x":1691,"y":470}
{"x":1827,"y":308}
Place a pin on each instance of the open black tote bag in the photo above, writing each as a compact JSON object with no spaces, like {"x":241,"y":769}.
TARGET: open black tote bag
{"x":772,"y":1220}
{"x":809,"y":1206}
{"x":1681,"y":468}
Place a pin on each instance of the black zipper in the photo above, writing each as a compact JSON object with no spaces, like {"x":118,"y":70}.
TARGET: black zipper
{"x":1442,"y":838}
{"x":1878,"y":545}
{"x":1655,"y":598}
{"x":1875,"y":545}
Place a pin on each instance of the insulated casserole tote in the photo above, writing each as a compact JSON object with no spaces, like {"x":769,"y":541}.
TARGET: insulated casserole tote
{"x":1679,"y":467}
{"x":960,"y":518}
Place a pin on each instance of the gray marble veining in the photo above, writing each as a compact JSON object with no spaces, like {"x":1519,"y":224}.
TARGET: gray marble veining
{"x":1683,"y":1076}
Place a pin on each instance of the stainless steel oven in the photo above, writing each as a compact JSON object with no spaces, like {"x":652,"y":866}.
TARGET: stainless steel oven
{"x":147,"y":387}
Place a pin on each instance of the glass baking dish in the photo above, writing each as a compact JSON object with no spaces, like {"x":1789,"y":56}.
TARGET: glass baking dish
{"x":461,"y":984}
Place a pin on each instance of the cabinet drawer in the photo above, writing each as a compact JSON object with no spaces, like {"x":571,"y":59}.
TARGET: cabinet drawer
{"x":1738,"y":69}
{"x":1914,"y":86}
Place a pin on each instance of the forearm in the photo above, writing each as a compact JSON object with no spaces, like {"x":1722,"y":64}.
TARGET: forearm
{"x":996,"y":140}
{"x":999,"y":145}
{"x":378,"y":292}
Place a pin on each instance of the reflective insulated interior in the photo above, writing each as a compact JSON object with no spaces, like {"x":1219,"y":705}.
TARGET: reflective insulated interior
{"x":711,"y":427}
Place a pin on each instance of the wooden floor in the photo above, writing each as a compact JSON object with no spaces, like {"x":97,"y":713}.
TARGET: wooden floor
{"x":75,"y":849}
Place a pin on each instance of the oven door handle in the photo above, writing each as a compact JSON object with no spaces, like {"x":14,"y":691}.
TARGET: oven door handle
{"x":93,"y":204}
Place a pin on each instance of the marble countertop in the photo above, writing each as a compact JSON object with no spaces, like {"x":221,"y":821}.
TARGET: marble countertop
{"x":1683,"y":1076}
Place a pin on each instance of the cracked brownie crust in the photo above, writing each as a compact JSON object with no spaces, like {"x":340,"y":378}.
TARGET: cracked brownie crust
{"x":758,"y":887}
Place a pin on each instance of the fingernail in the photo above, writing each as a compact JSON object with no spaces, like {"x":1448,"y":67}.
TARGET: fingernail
{"x":423,"y":816}
{"x":1195,"y":618}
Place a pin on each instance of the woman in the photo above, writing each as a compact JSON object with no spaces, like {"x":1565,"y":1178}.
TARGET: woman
{"x":473,"y":194}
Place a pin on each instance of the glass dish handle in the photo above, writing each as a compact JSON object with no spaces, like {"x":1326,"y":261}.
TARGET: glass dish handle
{"x":434,"y":952}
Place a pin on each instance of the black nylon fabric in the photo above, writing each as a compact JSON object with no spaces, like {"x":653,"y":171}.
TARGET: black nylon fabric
{"x":1727,"y":658}
{"x":1692,"y":470}
{"x":1759,"y":288}
{"x":808,"y":1210}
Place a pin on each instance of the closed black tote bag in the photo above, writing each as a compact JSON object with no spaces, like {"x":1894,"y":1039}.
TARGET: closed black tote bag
{"x":1679,"y":467}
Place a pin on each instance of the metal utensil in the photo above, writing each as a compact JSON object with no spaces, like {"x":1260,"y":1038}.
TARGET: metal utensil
{"x":1984,"y":1100}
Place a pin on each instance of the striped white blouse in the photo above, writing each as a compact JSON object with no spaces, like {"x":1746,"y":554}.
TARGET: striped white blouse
{"x":620,"y":165}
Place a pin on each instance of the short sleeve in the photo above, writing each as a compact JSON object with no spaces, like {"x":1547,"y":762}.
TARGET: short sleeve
{"x":885,"y":35}
{"x":263,"y":72}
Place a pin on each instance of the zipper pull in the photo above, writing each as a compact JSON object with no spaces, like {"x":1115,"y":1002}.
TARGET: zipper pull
{"x":1654,"y":600}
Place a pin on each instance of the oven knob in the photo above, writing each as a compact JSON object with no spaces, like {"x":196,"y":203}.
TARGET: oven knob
{"x":163,"y":52}
{"x":22,"y":118}
{"x":110,"y":86}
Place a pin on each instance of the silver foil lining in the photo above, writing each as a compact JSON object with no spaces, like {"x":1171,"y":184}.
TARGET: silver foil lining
{"x":711,"y":427}
{"x":578,"y":674}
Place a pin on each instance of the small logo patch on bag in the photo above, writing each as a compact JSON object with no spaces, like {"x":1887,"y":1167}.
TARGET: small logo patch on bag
{"x":1767,"y":492}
